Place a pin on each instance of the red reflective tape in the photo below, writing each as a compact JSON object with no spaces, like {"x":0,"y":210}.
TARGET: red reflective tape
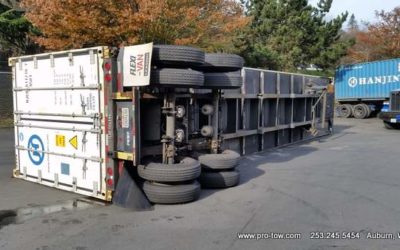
{"x":119,"y":83}
{"x":106,"y":94}
{"x":106,"y":123}
{"x":120,"y":167}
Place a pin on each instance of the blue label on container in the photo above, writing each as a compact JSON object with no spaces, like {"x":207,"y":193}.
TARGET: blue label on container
{"x":21,"y":136}
{"x":36,"y":148}
{"x":65,"y":168}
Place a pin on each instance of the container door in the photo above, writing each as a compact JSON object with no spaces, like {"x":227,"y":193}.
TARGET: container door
{"x":58,"y":113}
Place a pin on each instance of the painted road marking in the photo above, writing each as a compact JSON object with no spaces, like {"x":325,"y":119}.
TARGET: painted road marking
{"x":35,"y":144}
{"x":74,"y":142}
{"x":60,"y":141}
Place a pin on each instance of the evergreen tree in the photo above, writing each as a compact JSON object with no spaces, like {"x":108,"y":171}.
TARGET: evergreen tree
{"x":352,"y":24}
{"x":287,"y":34}
{"x":14,"y":31}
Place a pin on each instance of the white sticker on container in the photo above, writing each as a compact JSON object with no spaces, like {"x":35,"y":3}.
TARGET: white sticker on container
{"x":136,"y":64}
{"x":125,"y":117}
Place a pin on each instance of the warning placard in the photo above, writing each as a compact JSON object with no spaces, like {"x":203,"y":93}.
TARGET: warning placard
{"x":60,"y":141}
{"x":74,"y":142}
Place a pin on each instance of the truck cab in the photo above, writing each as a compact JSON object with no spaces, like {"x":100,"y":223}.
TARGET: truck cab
{"x":391,"y":116}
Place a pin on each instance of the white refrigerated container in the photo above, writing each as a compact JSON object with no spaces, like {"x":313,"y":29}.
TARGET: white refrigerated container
{"x":60,"y":114}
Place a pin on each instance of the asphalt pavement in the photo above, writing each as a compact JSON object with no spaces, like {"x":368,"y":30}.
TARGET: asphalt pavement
{"x":331,"y":193}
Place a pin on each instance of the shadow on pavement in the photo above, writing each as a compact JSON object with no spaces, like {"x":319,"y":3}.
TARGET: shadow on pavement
{"x":340,"y":128}
{"x":249,"y":166}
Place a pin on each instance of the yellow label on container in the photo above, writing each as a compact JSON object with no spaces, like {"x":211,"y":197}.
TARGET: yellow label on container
{"x":60,"y":141}
{"x":74,"y":142}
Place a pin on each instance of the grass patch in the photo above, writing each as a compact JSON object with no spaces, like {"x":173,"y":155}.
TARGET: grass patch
{"x":6,"y":122}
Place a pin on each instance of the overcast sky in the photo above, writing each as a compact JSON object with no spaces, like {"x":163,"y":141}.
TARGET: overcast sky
{"x":363,"y":9}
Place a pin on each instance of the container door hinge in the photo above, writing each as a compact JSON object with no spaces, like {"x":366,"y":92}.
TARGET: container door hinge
{"x":95,"y":188}
{"x":39,"y":176}
{"x":74,"y":184}
{"x":82,"y":76}
{"x":71,"y":59}
{"x":92,"y":59}
{"x":52,"y":64}
{"x":83,"y":105}
{"x":84,"y":140}
{"x":35,"y":62}
{"x":56,"y":180}
{"x":84,"y":169}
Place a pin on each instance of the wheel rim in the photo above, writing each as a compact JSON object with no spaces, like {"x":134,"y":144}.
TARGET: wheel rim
{"x":344,"y":111}
{"x":359,"y":112}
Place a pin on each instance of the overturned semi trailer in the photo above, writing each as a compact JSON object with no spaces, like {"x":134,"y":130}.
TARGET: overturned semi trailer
{"x":109,"y":123}
{"x":274,"y":108}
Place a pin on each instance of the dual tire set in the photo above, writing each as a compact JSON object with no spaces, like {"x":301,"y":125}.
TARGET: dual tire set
{"x":358,"y":111}
{"x":218,"y":170}
{"x":171,"y":183}
{"x":180,"y":182}
{"x":187,"y":67}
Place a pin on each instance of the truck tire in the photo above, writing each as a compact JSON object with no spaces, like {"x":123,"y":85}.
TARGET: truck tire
{"x":221,"y":179}
{"x":220,"y":62}
{"x":183,"y":78}
{"x":389,"y":125}
{"x":228,"y":159}
{"x":172,"y":55}
{"x":230,"y":80}
{"x":171,"y":194}
{"x":186,"y":170}
{"x":345,"y":110}
{"x":368,"y":109}
{"x":360,"y":111}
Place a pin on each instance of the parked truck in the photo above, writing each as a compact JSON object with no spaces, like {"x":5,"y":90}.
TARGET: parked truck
{"x":391,"y":115}
{"x":361,"y":89}
{"x":110,"y":123}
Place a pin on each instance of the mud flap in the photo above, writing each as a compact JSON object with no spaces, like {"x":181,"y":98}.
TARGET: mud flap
{"x":129,"y":195}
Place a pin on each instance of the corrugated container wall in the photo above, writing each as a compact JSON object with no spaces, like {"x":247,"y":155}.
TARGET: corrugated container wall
{"x":367,"y":81}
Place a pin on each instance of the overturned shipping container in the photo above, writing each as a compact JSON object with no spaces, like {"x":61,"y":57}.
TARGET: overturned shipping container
{"x":79,"y":122}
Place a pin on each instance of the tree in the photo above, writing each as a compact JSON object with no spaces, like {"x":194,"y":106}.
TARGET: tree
{"x":12,"y":4}
{"x":381,"y":40}
{"x":385,"y":34}
{"x":287,"y":34}
{"x":352,"y":24}
{"x":14,"y":31}
{"x":80,"y":23}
